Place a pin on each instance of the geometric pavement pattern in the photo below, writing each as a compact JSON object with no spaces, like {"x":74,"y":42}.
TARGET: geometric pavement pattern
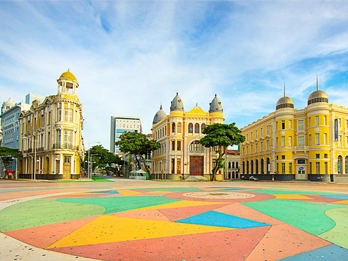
{"x":138,"y":224}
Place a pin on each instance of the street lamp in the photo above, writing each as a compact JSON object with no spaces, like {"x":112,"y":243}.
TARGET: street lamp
{"x":88,"y":157}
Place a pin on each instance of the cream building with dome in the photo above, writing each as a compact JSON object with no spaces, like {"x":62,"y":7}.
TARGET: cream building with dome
{"x":179,"y":132}
{"x":51,"y":134}
{"x":304,"y":144}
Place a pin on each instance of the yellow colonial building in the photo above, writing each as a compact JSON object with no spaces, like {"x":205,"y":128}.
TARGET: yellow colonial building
{"x":51,"y":134}
{"x":306,"y":144}
{"x":181,"y":154}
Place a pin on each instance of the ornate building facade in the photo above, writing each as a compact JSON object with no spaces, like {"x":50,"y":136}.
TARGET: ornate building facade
{"x":181,"y":154}
{"x":51,"y":134}
{"x":305,"y":144}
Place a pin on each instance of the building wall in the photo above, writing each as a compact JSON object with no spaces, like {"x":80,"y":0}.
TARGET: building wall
{"x":179,"y":133}
{"x":51,"y":134}
{"x":119,"y":125}
{"x":302,"y":143}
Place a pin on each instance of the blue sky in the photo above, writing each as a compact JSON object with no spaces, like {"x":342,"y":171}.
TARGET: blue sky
{"x":132,"y":56}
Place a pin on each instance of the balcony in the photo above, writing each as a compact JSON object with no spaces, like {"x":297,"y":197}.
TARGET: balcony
{"x":301,"y":149}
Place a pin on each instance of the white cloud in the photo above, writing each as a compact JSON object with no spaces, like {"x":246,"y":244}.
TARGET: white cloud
{"x":132,"y":56}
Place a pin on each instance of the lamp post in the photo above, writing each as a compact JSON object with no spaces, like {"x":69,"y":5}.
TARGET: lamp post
{"x":88,"y":157}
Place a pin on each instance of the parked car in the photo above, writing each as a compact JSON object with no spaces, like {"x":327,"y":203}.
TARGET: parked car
{"x":253,"y":178}
{"x":243,"y":177}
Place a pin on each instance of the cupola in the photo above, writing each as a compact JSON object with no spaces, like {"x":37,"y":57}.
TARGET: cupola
{"x":318,"y":96}
{"x":160,"y":115}
{"x":284,"y":102}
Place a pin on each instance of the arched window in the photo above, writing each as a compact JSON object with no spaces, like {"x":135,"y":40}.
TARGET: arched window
{"x":190,"y":128}
{"x":197,"y":128}
{"x":203,"y":126}
{"x":195,"y":146}
{"x":173,"y":127}
{"x":179,"y":127}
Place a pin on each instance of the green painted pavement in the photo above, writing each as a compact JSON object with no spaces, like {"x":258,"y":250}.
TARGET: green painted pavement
{"x":307,"y":216}
{"x":43,"y":212}
{"x":119,"y":204}
{"x":291,"y":192}
{"x":339,"y":234}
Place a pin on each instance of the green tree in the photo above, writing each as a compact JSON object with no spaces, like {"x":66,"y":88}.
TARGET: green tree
{"x":139,"y":145}
{"x":102,"y":158}
{"x":219,"y":137}
{"x":7,"y":155}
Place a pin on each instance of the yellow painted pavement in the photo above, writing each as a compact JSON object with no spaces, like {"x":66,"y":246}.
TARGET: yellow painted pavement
{"x":128,"y":192}
{"x":343,"y":202}
{"x":181,"y":204}
{"x":290,"y":196}
{"x":106,"y":229}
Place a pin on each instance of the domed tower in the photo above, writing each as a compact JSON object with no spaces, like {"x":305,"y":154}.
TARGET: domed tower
{"x":67,"y":83}
{"x":7,"y":105}
{"x":216,"y":111}
{"x":284,"y":102}
{"x":177,"y":106}
{"x":160,"y":115}
{"x":318,"y":96}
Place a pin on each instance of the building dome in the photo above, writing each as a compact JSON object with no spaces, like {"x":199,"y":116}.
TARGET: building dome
{"x":215,"y":105}
{"x":318,"y":96}
{"x":68,"y":76}
{"x":177,"y":104}
{"x":284,"y":102}
{"x":9,"y":103}
{"x":160,"y":115}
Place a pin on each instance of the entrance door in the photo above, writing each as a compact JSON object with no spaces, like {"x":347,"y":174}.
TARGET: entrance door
{"x":301,"y":173}
{"x":196,"y":165}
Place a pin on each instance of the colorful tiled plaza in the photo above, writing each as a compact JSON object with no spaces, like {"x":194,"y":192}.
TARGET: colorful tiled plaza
{"x":151,"y":220}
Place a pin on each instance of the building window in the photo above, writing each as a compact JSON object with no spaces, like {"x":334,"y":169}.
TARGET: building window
{"x":309,"y":122}
{"x":267,"y":145}
{"x":195,"y":146}
{"x":325,"y":120}
{"x":326,"y":169}
{"x":178,"y":145}
{"x":267,"y":129}
{"x":283,"y":157}
{"x":290,"y":124}
{"x":256,"y":134}
{"x":197,"y":128}
{"x":325,"y":155}
{"x":317,"y":156}
{"x":283,"y":168}
{"x":283,"y":141}
{"x":300,"y":125}
{"x":68,"y":115}
{"x":203,"y":126}
{"x":173,"y":144}
{"x":173,"y":127}
{"x":67,"y":159}
{"x":67,"y":139}
{"x":317,"y":167}
{"x":179,"y":127}
{"x":261,"y":146}
{"x":310,"y":167}
{"x":317,"y":139}
{"x":59,"y":114}
{"x":190,"y":128}
{"x":325,"y":138}
{"x":340,"y":140}
{"x":59,"y":139}
{"x":310,"y":139}
{"x":300,"y":141}
{"x":290,"y":141}
{"x":261,"y":132}
{"x":283,"y":125}
{"x":316,"y":120}
{"x":290,"y":168}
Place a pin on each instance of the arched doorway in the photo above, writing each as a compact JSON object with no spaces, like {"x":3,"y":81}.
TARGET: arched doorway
{"x":268,"y":166}
{"x":346,"y":165}
{"x":339,"y":164}
{"x":252,"y":167}
{"x":262,"y":167}
{"x":257,"y":166}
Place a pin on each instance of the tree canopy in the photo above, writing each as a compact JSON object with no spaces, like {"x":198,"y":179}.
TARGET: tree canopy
{"x":102,"y":158}
{"x":220,"y":136}
{"x":139,"y":145}
{"x":7,"y":155}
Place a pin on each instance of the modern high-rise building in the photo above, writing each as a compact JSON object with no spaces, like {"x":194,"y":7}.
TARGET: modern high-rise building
{"x":301,"y":144}
{"x":179,"y":133}
{"x":51,"y":134}
{"x":119,"y":125}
